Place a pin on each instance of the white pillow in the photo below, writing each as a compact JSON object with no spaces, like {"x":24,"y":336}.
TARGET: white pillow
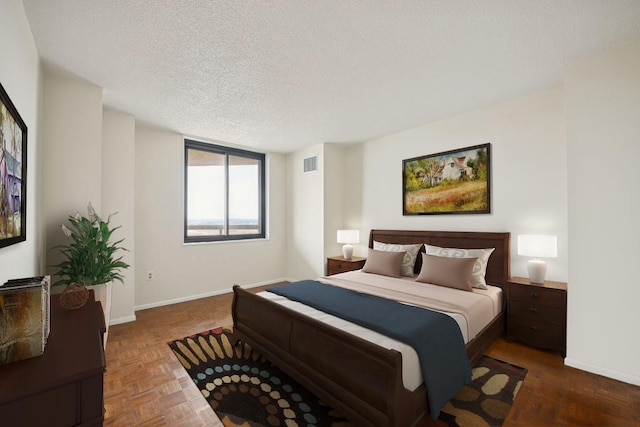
{"x":479,"y":268}
{"x":409,"y":260}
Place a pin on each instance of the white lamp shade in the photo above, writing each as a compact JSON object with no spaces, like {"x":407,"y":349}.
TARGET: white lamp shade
{"x":348,"y":236}
{"x":537,"y":245}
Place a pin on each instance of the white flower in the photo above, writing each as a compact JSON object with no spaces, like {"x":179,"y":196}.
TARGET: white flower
{"x":67,"y":232}
{"x":92,"y":213}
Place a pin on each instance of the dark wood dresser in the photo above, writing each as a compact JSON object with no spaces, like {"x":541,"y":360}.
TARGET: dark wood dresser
{"x":64,"y":386}
{"x":338,"y":264}
{"x":537,"y":314}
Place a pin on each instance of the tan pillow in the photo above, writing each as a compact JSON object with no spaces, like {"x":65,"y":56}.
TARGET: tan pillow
{"x":479,"y":270}
{"x":445,"y":271}
{"x":411,"y":253}
{"x":382,"y":262}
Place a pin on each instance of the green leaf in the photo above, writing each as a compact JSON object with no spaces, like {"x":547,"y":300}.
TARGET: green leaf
{"x":89,"y":258}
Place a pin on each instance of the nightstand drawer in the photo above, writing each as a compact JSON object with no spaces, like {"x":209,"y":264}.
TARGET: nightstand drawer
{"x":340,"y":266}
{"x":536,"y":333}
{"x":535,"y":294}
{"x":337,"y":265}
{"x":538,"y":312}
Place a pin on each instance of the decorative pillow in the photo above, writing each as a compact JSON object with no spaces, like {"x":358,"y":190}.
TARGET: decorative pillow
{"x":445,"y":271}
{"x":382,"y":262}
{"x":409,"y":261}
{"x":479,"y":269}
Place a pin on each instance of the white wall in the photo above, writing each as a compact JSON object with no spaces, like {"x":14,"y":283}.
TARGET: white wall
{"x":118,"y":195}
{"x":104,"y":157}
{"x":334,"y":199}
{"x":89,"y":155}
{"x":603,"y":145}
{"x":20,"y":77}
{"x":71,"y":153}
{"x":183,"y":272}
{"x":305,"y":215}
{"x":352,"y":191}
{"x":528,"y":174}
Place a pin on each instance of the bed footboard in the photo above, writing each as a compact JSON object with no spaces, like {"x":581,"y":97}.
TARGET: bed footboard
{"x":358,"y":378}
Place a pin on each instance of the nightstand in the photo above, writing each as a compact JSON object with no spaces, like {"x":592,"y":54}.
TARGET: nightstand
{"x":537,"y":313}
{"x":337,"y":264}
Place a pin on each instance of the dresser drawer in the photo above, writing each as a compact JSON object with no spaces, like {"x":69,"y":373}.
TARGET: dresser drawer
{"x":536,"y":294}
{"x":538,"y":312}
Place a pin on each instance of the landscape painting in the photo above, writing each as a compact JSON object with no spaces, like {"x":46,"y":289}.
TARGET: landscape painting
{"x":451,"y":182}
{"x":13,"y":173}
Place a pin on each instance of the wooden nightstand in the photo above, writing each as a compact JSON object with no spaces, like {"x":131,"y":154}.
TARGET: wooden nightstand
{"x":537,"y":314}
{"x":337,"y":264}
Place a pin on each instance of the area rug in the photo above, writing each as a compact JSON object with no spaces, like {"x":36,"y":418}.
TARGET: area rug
{"x":245,"y":389}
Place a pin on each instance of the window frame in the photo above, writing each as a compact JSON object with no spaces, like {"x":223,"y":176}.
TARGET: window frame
{"x":190,"y":144}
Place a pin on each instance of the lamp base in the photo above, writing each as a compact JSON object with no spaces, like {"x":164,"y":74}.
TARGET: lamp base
{"x":347,"y":251}
{"x":537,"y":270}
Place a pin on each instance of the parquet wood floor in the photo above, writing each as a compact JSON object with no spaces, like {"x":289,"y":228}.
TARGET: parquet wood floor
{"x":145,"y":385}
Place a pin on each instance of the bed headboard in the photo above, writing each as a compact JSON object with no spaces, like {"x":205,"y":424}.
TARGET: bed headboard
{"x":498,"y":267}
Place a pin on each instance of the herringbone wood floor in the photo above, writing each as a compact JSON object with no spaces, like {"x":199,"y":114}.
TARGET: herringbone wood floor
{"x":145,"y":385}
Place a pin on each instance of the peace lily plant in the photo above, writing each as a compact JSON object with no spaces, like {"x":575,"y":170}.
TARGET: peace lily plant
{"x":90,"y":259}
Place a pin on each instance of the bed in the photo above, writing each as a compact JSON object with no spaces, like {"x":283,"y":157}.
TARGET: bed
{"x":359,"y":378}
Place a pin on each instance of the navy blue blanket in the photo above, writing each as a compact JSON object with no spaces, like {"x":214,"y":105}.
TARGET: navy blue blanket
{"x":436,"y":337}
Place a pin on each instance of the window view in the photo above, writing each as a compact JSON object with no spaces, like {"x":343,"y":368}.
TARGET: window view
{"x":224,"y":193}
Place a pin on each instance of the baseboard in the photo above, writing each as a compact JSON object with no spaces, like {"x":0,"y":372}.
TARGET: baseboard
{"x":203,"y":295}
{"x":125,"y":319}
{"x":605,"y":372}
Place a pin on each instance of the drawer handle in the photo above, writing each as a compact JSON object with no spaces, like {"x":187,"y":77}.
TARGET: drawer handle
{"x":534,"y":328}
{"x":534,"y":310}
{"x":534,"y":295}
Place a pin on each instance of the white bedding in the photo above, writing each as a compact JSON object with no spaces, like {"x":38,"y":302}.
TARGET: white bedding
{"x":480,"y":300}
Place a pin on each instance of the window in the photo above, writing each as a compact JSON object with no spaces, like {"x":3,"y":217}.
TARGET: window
{"x":224,"y":193}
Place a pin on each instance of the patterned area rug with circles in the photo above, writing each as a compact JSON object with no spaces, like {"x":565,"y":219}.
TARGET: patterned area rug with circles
{"x":245,"y":389}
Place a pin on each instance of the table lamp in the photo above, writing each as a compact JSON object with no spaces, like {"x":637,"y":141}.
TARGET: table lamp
{"x":538,"y":246}
{"x":347,"y":237}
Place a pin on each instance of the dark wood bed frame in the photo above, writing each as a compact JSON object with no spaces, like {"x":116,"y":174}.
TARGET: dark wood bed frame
{"x":358,"y":378}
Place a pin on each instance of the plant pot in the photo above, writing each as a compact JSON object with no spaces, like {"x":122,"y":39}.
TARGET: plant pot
{"x":103,"y":294}
{"x":74,"y":296}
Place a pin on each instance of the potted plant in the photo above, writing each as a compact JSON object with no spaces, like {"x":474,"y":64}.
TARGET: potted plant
{"x":89,"y":260}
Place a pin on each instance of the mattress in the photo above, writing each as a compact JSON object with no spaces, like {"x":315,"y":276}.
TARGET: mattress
{"x":486,"y":304}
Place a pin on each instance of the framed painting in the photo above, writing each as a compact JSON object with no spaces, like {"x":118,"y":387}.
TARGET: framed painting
{"x":451,"y":182}
{"x":13,"y":173}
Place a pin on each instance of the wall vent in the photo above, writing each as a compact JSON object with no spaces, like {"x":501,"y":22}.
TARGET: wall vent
{"x":310,"y":164}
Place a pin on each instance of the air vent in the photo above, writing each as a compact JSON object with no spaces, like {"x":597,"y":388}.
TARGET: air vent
{"x":310,"y":164}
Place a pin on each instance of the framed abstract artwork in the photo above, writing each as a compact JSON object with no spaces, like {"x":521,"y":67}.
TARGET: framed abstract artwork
{"x":13,"y":173}
{"x":451,"y":182}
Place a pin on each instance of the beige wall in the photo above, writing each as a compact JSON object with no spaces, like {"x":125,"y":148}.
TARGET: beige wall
{"x":603,"y":145}
{"x":187,"y":271}
{"x":305,"y":215}
{"x":528,"y":173}
{"x":89,"y":156}
{"x":71,"y":154}
{"x":334,"y":199}
{"x":118,"y":195}
{"x":20,"y":77}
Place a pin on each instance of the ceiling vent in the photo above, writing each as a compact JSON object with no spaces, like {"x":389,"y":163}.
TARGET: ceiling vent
{"x":310,"y":164}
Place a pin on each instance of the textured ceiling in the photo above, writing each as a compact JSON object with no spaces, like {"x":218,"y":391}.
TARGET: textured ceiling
{"x":280,"y":75}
